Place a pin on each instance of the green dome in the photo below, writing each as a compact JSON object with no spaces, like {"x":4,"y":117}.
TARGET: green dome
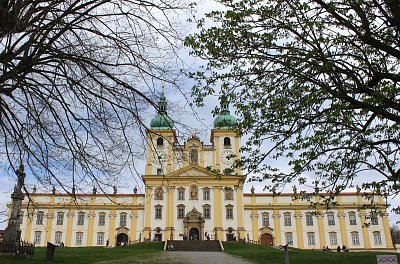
{"x":161,"y":121}
{"x":225,"y":120}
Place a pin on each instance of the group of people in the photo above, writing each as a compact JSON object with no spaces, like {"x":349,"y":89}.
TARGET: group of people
{"x":338,"y":249}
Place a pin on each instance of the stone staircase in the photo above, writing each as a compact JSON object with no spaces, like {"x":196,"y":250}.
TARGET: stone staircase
{"x":194,"y":245}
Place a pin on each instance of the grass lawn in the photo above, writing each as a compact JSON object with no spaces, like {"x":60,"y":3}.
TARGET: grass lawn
{"x":149,"y":253}
{"x":138,"y":253}
{"x":267,"y":255}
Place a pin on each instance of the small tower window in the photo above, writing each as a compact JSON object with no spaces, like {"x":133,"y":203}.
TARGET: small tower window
{"x":227,"y":142}
{"x":160,"y":141}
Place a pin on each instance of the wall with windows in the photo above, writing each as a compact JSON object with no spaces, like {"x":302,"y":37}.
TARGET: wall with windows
{"x":300,"y":225}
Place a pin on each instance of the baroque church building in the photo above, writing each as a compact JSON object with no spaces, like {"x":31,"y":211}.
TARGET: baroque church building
{"x":191,"y":193}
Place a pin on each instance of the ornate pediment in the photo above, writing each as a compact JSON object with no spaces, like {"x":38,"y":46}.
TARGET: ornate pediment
{"x":194,"y":216}
{"x":192,"y":171}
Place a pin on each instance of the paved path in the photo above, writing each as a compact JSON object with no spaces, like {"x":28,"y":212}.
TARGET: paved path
{"x":196,"y":257}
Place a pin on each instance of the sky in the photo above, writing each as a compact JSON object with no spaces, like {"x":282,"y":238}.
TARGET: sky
{"x":200,"y":119}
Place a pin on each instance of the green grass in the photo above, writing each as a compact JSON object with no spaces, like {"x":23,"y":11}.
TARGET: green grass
{"x":268,"y":255}
{"x":149,"y":253}
{"x":138,"y":253}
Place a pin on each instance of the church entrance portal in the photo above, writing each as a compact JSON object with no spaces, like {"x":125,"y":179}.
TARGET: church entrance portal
{"x":122,"y":239}
{"x":266,"y":239}
{"x":194,"y":234}
{"x":194,"y":225}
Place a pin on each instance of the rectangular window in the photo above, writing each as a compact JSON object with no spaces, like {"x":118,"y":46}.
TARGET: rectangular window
{"x":333,"y":238}
{"x":309,"y":220}
{"x":377,"y":238}
{"x":265,"y":219}
{"x":289,"y":238}
{"x":38,"y":235}
{"x":60,"y":218}
{"x":102,"y":219}
{"x":331,"y":219}
{"x":287,"y":219}
{"x":355,"y":239}
{"x":311,"y":239}
{"x":39,"y":218}
{"x":181,"y":213}
{"x":100,"y":238}
{"x":181,"y":194}
{"x":206,"y":195}
{"x":122,"y":220}
{"x":206,"y":213}
{"x":79,"y":237}
{"x":81,"y":218}
{"x":352,"y":218}
{"x":229,"y":213}
{"x":58,"y":238}
{"x":158,"y":213}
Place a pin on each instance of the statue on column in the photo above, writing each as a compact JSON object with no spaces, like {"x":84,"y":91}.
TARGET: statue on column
{"x":13,"y":231}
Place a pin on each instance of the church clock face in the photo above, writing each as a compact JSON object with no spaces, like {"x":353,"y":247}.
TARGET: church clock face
{"x":224,"y":157}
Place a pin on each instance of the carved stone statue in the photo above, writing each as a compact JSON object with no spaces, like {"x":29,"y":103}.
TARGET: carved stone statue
{"x":53,"y":191}
{"x":94,"y":190}
{"x":294,"y":190}
{"x":228,"y":194}
{"x":21,"y":176}
{"x":273,"y":190}
{"x":115,"y":189}
{"x":252,"y":190}
{"x":13,"y":232}
{"x":135,"y":190}
{"x":159,"y":193}
{"x":34,"y":189}
{"x":193,"y":192}
{"x":358,"y":189}
{"x":193,"y":157}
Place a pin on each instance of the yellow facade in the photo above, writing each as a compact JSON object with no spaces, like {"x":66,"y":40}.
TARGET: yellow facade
{"x":190,"y":193}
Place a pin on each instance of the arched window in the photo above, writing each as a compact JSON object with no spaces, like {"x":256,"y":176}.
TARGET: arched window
{"x":227,"y":142}
{"x":355,"y":239}
{"x":207,"y":211}
{"x":287,"y":219}
{"x":60,"y":218}
{"x":122,"y":219}
{"x":39,"y":218}
{"x":58,"y":237}
{"x":160,"y":141}
{"x":352,"y":218}
{"x":181,"y":211}
{"x":331,"y":218}
{"x":265,"y":219}
{"x":102,"y":219}
{"x":377,"y":238}
{"x":309,"y":219}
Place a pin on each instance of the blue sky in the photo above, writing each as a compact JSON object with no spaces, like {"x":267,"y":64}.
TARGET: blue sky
{"x":183,"y":113}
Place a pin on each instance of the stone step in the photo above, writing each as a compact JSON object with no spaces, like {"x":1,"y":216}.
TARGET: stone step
{"x":194,"y":245}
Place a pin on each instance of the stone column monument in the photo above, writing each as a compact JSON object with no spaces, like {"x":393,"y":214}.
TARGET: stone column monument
{"x":13,"y":230}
